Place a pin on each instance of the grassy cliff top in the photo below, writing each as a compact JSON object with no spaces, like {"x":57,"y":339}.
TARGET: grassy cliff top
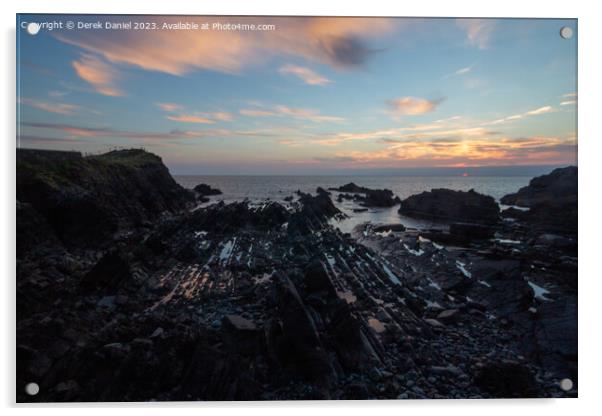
{"x":56,"y":167}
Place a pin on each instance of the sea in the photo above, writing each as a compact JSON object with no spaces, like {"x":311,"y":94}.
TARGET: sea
{"x":275,"y":188}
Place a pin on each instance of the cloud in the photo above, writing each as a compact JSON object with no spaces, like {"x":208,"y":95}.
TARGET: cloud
{"x":413,"y":106}
{"x":51,"y":107}
{"x":568,"y":102}
{"x":76,"y":131}
{"x":540,"y":110}
{"x":196,"y":117}
{"x":57,"y":94}
{"x":570,"y":99}
{"x":306,"y":74}
{"x":537,"y":111}
{"x":187,"y":118}
{"x":256,"y":113}
{"x":222,"y":116}
{"x":306,"y":114}
{"x":169,"y":107}
{"x":466,"y":152}
{"x":461,"y":71}
{"x":338,"y":42}
{"x":99,"y":74}
{"x":478,"y":31}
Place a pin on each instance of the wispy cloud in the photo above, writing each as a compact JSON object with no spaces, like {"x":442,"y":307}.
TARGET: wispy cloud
{"x":537,"y":111}
{"x":338,"y":42}
{"x":478,"y":31}
{"x":569,"y":99}
{"x":413,"y":106}
{"x":193,"y":117}
{"x":540,"y":110}
{"x":309,"y":114}
{"x":249,"y":112}
{"x":77,"y":131}
{"x":51,"y":107}
{"x":308,"y":75}
{"x":188,"y":118}
{"x":306,"y":114}
{"x":99,"y":74}
{"x":169,"y":107}
{"x":462,"y":71}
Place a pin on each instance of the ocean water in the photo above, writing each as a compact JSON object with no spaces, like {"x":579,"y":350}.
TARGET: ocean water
{"x":276,"y":188}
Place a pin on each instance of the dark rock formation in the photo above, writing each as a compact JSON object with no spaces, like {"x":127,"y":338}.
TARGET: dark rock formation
{"x":87,"y":199}
{"x":448,"y":205}
{"x":559,"y":186}
{"x":368,"y":197}
{"x":206,"y":190}
{"x":552,"y":202}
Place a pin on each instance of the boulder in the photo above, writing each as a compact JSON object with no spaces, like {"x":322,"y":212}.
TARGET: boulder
{"x":447,"y":205}
{"x":203,"y":189}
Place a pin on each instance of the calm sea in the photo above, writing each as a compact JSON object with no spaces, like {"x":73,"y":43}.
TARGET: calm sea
{"x":276,"y":188}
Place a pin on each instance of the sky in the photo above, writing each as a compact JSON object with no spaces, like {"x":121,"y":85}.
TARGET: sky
{"x":304,"y":95}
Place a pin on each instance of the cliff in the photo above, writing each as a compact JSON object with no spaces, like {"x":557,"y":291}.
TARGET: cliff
{"x":85,"y":200}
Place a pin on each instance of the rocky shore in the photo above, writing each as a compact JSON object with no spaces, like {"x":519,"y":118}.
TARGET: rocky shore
{"x":128,"y":290}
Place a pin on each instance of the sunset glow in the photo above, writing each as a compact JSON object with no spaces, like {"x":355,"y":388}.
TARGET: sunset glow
{"x":319,"y":94}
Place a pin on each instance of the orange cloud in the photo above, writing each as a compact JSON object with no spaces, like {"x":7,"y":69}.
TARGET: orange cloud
{"x":306,"y":74}
{"x":469,"y":152}
{"x":338,"y":42}
{"x":97,"y":73}
{"x":412,"y":106}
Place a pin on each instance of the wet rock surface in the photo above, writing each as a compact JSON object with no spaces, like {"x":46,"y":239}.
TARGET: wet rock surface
{"x":258,"y":301}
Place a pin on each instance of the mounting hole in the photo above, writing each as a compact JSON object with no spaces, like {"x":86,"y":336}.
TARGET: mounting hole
{"x":566,"y":384}
{"x":566,"y":32}
{"x":32,"y":389}
{"x":33,"y":28}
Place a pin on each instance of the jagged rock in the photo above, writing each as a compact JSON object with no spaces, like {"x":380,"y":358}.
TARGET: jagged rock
{"x":369,"y":197}
{"x":299,"y":346}
{"x":448,"y":205}
{"x":552,"y":200}
{"x":559,"y":185}
{"x":317,"y":279}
